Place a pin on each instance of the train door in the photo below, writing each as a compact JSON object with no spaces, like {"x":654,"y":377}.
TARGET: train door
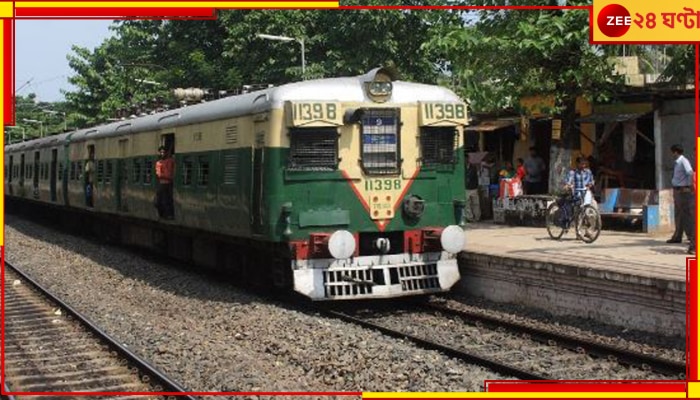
{"x":65,"y":175}
{"x":258,"y":178}
{"x":11,"y":173}
{"x":35,"y":174}
{"x":122,"y":177}
{"x":166,"y":203}
{"x":22,"y":174}
{"x":52,"y":173}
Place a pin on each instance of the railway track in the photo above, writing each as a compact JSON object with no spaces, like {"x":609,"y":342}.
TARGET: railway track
{"x":580,"y":345}
{"x":494,"y":361}
{"x":51,"y":348}
{"x":469,"y":357}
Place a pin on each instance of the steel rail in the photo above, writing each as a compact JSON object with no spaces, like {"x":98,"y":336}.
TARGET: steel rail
{"x":449,"y":351}
{"x":620,"y":355}
{"x":157,"y":377}
{"x":7,"y":390}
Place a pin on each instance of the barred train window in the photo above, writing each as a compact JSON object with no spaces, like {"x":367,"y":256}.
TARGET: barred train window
{"x":100,"y":171}
{"x":380,"y":140}
{"x":137,"y":171}
{"x":313,"y":149}
{"x":147,"y":171}
{"x":108,"y":173}
{"x":187,"y":171}
{"x":203,"y":172}
{"x":438,"y":145}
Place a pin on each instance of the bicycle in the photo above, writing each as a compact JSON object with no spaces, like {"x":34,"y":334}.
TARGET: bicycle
{"x":568,"y":209}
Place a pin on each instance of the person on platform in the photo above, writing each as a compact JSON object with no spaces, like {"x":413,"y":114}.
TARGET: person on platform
{"x":165,"y":172}
{"x":473,"y":210}
{"x":534,"y":168}
{"x":507,"y":172}
{"x":520,"y":170}
{"x":682,"y":181}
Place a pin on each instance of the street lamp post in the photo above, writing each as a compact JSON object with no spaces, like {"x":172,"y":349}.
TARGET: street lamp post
{"x":289,"y":39}
{"x":15,"y":127}
{"x":34,"y":121}
{"x":65,"y":122}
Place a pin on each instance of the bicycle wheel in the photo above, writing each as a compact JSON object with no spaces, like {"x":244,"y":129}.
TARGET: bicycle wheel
{"x":553,"y":221}
{"x":588,"y":224}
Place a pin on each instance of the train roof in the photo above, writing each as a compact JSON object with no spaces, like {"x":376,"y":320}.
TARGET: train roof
{"x":344,"y":89}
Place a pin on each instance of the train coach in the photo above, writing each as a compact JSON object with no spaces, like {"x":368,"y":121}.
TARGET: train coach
{"x":340,"y":188}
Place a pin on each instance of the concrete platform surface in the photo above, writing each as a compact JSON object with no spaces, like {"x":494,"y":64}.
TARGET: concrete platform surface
{"x":633,"y":280}
{"x":628,"y":253}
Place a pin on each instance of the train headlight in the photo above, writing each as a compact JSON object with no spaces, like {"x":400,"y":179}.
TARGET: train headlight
{"x":341,"y":245}
{"x":452,"y":239}
{"x":380,"y":88}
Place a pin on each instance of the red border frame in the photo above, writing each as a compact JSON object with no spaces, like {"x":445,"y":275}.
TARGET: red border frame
{"x":497,"y":386}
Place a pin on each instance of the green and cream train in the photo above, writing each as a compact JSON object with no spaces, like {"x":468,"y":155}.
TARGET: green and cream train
{"x":340,"y":188}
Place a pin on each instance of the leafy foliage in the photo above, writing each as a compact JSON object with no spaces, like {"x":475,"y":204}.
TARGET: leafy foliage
{"x":34,"y":119}
{"x":508,"y":54}
{"x":681,"y":69}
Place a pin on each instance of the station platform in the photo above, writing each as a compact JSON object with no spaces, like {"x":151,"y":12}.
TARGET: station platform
{"x":635,"y":280}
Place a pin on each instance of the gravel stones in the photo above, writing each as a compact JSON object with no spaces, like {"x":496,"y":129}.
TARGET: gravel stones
{"x":211,"y":336}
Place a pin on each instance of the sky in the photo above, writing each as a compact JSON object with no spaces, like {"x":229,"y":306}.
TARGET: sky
{"x":41,"y":48}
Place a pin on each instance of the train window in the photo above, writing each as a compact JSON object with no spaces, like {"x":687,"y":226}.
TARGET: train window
{"x":438,"y":145}
{"x":203,"y":172}
{"x":380,"y":140}
{"x":100,"y":171}
{"x":313,"y":149}
{"x":108,"y":171}
{"x":187,"y":171}
{"x":147,"y":171}
{"x":137,"y":170}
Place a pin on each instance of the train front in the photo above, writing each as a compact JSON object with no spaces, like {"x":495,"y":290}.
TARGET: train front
{"x":374,"y":198}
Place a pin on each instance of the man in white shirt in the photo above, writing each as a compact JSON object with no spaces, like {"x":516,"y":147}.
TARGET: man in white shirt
{"x":683,"y":198}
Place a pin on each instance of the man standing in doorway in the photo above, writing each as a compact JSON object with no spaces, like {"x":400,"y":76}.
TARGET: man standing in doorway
{"x":165,"y":172}
{"x":534,"y":169}
{"x":683,"y":198}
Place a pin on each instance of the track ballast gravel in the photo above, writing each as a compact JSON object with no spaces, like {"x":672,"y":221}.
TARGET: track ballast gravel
{"x":212,"y":336}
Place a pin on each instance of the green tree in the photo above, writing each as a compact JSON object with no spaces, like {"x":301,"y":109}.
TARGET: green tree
{"x":34,"y":118}
{"x":509,"y":54}
{"x":681,"y":69}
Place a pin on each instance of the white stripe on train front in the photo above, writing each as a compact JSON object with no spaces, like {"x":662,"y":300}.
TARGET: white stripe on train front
{"x":376,"y":276}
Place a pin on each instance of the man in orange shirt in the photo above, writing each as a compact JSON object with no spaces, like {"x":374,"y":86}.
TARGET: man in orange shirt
{"x":165,"y":173}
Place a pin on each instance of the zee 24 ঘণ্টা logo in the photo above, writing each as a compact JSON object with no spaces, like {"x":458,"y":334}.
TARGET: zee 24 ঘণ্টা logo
{"x":647,"y":21}
{"x":614,"y":20}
